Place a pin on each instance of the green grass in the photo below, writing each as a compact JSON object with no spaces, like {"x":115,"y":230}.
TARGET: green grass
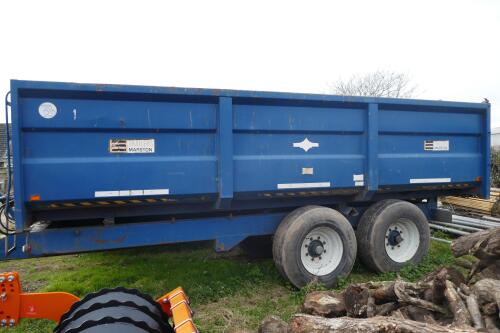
{"x":227,"y":291}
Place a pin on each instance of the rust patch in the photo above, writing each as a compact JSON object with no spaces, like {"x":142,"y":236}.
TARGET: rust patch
{"x":118,"y":240}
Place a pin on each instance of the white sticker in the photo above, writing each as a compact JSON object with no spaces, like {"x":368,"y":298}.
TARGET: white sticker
{"x":47,"y":110}
{"x":132,"y":146}
{"x":306,"y":144}
{"x":429,"y":180}
{"x":103,"y":194}
{"x":136,"y":192}
{"x":156,"y":192}
{"x":437,"y":145}
{"x":358,"y":178}
{"x":308,"y":171}
{"x":131,"y":193}
{"x":304,"y":185}
{"x":361,"y":183}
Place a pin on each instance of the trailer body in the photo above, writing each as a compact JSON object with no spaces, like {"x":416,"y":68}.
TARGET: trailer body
{"x":165,"y":165}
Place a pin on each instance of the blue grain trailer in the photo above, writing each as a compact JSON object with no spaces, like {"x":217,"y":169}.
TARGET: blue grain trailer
{"x":99,"y":167}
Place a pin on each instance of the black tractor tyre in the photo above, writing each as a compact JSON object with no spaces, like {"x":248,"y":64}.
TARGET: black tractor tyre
{"x":378,"y":235}
{"x":116,"y":310}
{"x":293,"y":246}
{"x":258,"y":247}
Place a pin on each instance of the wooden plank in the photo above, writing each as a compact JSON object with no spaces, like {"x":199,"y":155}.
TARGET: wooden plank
{"x":474,"y":204}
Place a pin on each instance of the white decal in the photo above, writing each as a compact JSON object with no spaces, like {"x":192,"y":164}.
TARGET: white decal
{"x":304,"y":185}
{"x":102,"y":194}
{"x":47,"y":110}
{"x":156,"y":192}
{"x":131,"y":193}
{"x":136,"y":192}
{"x":308,"y":171}
{"x":429,"y":180}
{"x":437,"y":145}
{"x":361,"y":183}
{"x":74,"y":114}
{"x":306,"y":144}
{"x":132,"y":146}
{"x":358,"y":178}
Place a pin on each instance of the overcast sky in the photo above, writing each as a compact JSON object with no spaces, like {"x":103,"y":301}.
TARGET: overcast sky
{"x":451,"y":49}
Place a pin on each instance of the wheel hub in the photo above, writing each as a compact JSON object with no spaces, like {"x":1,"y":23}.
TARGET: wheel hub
{"x":394,"y":237}
{"x":315,"y":248}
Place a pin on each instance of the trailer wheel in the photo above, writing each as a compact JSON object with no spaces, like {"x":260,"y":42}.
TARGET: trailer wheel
{"x":117,"y":310}
{"x":392,"y":234}
{"x":314,"y":243}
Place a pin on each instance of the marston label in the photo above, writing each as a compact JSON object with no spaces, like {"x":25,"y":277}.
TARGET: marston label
{"x":132,"y":146}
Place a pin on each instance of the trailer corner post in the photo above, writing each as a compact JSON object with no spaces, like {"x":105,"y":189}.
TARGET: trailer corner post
{"x":17,"y":155}
{"x":224,"y":150}
{"x":485,"y":184}
{"x":372,"y":147}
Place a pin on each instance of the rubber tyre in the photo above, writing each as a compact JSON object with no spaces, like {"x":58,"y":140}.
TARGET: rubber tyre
{"x":372,"y":228}
{"x":116,"y":310}
{"x":443,"y":215}
{"x":288,"y":239}
{"x":258,"y":247}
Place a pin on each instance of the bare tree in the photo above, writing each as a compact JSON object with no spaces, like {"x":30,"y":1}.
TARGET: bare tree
{"x":376,"y":84}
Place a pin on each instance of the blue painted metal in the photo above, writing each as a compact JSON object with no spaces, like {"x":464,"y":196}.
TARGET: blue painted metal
{"x":372,"y":158}
{"x":486,"y":145}
{"x":221,"y":152}
{"x":227,"y":232}
{"x":225,"y":152}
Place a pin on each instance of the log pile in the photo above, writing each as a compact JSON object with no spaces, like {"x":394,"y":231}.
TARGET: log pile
{"x":443,"y":301}
{"x":475,"y":205}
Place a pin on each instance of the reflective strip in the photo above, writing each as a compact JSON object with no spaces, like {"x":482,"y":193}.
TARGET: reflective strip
{"x":429,"y":180}
{"x":131,"y":193}
{"x":103,"y":194}
{"x":304,"y":185}
{"x":162,"y":191}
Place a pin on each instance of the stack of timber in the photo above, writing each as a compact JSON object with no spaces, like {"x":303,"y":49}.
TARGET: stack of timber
{"x":475,"y":205}
{"x":445,"y":301}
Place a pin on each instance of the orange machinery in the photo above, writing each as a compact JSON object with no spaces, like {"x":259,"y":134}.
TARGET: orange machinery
{"x":16,"y":305}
